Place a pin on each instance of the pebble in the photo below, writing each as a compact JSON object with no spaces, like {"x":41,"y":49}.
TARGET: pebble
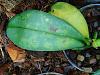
{"x":95,"y":24}
{"x":79,"y":64}
{"x":92,"y":61}
{"x":18,"y":64}
{"x":89,"y":69}
{"x":72,"y":55}
{"x":80,"y":58}
{"x":64,"y":64}
{"x":98,"y":57}
{"x":87,"y":55}
{"x":67,"y":68}
{"x":57,"y":65}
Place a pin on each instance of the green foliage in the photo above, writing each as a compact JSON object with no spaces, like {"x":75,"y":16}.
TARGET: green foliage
{"x":71,"y":14}
{"x":97,"y":72}
{"x":39,"y":31}
{"x":96,"y":43}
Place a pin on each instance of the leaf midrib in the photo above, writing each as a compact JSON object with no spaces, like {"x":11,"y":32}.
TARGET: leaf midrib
{"x":43,"y":32}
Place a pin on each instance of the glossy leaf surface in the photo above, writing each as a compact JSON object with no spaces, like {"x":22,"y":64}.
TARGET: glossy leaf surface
{"x":71,"y":14}
{"x":39,"y":31}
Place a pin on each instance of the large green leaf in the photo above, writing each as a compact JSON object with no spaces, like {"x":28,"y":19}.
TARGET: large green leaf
{"x":71,"y":14}
{"x":39,"y":31}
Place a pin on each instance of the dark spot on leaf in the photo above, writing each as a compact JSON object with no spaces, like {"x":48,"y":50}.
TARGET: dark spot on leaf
{"x":64,"y":40}
{"x":53,"y":29}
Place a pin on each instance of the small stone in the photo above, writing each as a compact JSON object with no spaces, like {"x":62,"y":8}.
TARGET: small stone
{"x":18,"y":64}
{"x":64,"y":64}
{"x":88,"y":55}
{"x":89,"y":69}
{"x":95,"y":24}
{"x":79,"y":64}
{"x":72,"y":55}
{"x":98,"y":57}
{"x":80,"y":57}
{"x":67,"y":68}
{"x":57,"y":65}
{"x":92,"y":61}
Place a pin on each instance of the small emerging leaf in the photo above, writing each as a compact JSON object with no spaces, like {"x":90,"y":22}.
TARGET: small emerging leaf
{"x":96,"y":43}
